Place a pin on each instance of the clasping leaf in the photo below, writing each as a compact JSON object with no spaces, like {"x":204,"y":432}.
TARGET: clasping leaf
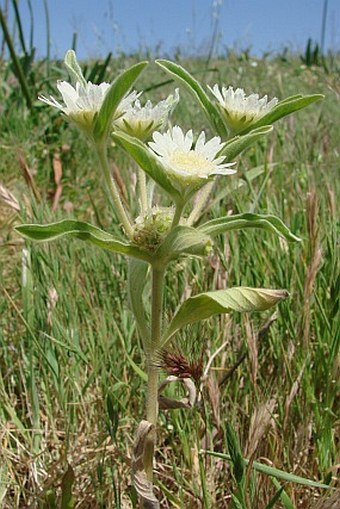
{"x":284,"y":108}
{"x":239,"y":221}
{"x":205,"y":305}
{"x":236,"y":145}
{"x":83,"y":231}
{"x":182,"y":240}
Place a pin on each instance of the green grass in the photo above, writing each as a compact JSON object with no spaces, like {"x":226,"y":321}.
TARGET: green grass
{"x":70,"y":392}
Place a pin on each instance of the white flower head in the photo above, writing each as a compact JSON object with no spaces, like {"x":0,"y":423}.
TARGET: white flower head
{"x":83,"y":101}
{"x":238,"y":110}
{"x":187,"y":164}
{"x":141,"y":121}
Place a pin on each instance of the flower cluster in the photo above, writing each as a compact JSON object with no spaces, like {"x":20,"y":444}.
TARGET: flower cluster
{"x":186,"y":164}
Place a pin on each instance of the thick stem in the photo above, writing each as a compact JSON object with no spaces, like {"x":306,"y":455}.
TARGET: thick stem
{"x":178,"y":214}
{"x":153,"y":370}
{"x":112,"y":188}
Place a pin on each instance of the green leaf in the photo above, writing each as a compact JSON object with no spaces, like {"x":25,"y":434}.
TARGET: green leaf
{"x":147,"y":160}
{"x":285,"y":499}
{"x":274,"y":499}
{"x":236,"y":145}
{"x":205,"y":305}
{"x":113,"y":414}
{"x":284,"y":108}
{"x":194,"y":86}
{"x":273,"y":472}
{"x":50,"y":499}
{"x":73,"y":67}
{"x":235,"y":455}
{"x":117,"y":91}
{"x":83,"y":231}
{"x":67,"y":499}
{"x":4,"y":482}
{"x":138,"y":271}
{"x":182,"y":240}
{"x":240,"y":221}
{"x":236,"y":503}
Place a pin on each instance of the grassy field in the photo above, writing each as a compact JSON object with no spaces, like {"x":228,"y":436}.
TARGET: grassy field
{"x":70,"y":393}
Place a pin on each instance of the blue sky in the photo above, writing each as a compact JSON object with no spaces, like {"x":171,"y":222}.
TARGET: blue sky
{"x":114,"y":25}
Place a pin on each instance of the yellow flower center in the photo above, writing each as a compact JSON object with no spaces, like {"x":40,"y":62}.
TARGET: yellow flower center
{"x":191,"y":161}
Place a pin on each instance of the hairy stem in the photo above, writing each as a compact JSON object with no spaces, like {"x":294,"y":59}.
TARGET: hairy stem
{"x":101,"y":150}
{"x":142,"y":191}
{"x":178,"y":214}
{"x":201,"y":202}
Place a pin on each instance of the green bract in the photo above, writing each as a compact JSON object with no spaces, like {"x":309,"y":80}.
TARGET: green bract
{"x":148,"y":161}
{"x":119,"y":88}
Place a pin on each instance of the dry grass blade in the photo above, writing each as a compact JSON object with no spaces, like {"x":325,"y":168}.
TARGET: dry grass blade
{"x":9,"y":199}
{"x":28,"y":175}
{"x":332,"y":502}
{"x":259,"y":422}
{"x":291,"y":396}
{"x":315,"y":257}
{"x":253,"y":350}
{"x":120,"y":182}
{"x":58,"y":172}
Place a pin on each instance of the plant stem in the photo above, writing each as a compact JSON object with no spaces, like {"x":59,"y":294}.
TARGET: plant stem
{"x":142,"y":190}
{"x":202,"y":200}
{"x":153,"y":370}
{"x":101,"y":150}
{"x":178,"y":214}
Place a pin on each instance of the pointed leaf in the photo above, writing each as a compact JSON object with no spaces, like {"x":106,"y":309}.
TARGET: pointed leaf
{"x":73,"y":67}
{"x":236,"y":502}
{"x":239,"y":143}
{"x":67,"y":499}
{"x":284,"y":108}
{"x":138,"y":271}
{"x":274,"y":499}
{"x":83,"y":231}
{"x":147,"y":160}
{"x":235,"y":454}
{"x":194,"y":86}
{"x":240,"y":221}
{"x":273,"y":472}
{"x":183,"y":240}
{"x":285,"y":499}
{"x":117,"y":91}
{"x":205,"y":305}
